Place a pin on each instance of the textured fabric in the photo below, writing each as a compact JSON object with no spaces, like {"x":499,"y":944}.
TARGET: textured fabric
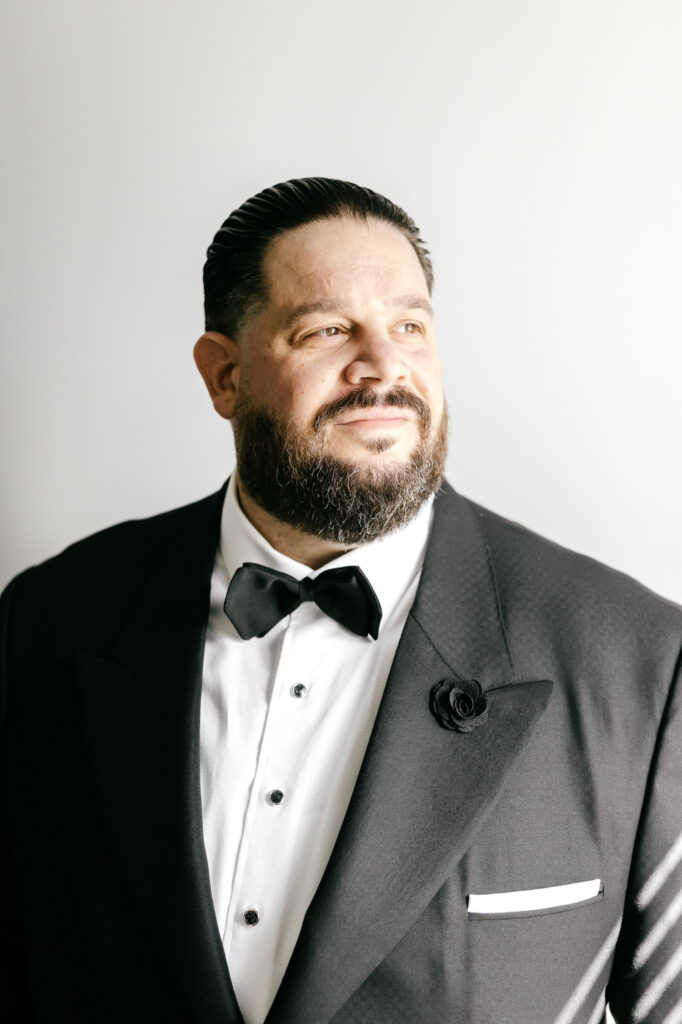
{"x":258,"y":736}
{"x":647,"y":983}
{"x":574,"y":776}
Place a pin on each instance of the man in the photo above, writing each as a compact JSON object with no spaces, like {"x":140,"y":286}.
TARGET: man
{"x":337,"y":744}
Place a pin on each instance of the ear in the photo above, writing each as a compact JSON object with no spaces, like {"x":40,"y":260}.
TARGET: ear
{"x":217,"y":359}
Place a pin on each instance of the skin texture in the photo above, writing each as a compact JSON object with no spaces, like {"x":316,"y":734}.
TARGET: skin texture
{"x":372,"y":328}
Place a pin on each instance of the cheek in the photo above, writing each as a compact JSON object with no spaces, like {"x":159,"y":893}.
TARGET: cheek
{"x":264,"y":382}
{"x":294,"y":396}
{"x":304,"y":390}
{"x":428,"y":378}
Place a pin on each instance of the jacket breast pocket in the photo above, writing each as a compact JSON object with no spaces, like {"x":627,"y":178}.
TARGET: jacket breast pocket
{"x":552,"y":899}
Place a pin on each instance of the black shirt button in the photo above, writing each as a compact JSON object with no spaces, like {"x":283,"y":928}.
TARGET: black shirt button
{"x":251,"y":916}
{"x":276,"y":796}
{"x":299,"y":690}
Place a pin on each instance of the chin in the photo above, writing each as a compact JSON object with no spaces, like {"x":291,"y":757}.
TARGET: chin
{"x":375,"y":467}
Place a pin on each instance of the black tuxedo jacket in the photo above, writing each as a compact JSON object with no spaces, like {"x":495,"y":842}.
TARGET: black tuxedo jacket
{"x":575,"y":775}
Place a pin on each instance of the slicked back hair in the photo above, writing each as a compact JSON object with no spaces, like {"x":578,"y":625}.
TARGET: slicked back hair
{"x":234,"y":281}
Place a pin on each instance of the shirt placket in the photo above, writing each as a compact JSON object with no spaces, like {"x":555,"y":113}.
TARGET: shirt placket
{"x":247,"y":917}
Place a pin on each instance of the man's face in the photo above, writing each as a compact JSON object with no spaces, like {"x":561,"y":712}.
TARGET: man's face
{"x":347,"y":311}
{"x":334,"y":386}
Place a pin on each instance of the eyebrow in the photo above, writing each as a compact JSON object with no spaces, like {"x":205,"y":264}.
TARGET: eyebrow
{"x":333,"y":306}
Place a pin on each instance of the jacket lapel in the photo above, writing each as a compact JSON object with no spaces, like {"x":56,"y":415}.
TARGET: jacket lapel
{"x":145,"y":720}
{"x":423,"y":791}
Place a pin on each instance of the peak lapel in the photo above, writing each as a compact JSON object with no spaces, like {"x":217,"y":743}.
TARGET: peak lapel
{"x":146,"y":722}
{"x":423,"y":791}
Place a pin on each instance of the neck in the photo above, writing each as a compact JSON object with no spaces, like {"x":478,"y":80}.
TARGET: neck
{"x":302,"y":547}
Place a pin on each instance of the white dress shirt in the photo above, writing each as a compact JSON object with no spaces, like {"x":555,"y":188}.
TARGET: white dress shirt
{"x":288,"y":714}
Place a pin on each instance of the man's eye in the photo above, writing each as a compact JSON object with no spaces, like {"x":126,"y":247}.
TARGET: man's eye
{"x":409,"y":327}
{"x":326,"y":332}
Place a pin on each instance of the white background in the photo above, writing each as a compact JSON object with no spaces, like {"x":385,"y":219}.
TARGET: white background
{"x":536,"y":143}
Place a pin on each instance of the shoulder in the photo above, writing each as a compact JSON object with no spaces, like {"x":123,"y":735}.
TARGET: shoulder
{"x":548,"y":591}
{"x":118,"y":555}
{"x":524,"y":557}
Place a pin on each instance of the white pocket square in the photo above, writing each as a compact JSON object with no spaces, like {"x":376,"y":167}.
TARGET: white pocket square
{"x":529,"y":901}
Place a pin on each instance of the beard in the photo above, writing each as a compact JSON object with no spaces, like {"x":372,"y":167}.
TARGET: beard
{"x":288,"y":473}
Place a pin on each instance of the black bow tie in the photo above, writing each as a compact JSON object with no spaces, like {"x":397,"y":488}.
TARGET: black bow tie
{"x":258,"y":597}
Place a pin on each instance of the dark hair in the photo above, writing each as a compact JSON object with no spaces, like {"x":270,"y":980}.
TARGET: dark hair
{"x":234,"y":283}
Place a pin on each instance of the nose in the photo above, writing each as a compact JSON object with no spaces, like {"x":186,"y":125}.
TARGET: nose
{"x":376,"y":359}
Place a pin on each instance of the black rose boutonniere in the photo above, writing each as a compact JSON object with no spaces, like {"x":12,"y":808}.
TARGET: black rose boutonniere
{"x":459,"y":704}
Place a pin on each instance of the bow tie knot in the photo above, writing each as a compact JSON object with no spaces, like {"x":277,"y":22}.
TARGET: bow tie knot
{"x":258,"y":598}
{"x":306,"y":589}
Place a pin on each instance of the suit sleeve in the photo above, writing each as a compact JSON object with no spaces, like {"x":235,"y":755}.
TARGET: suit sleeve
{"x":15,"y":998}
{"x":646,"y":983}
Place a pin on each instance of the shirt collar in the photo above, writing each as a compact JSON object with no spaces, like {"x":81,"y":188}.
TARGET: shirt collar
{"x":389,"y":563}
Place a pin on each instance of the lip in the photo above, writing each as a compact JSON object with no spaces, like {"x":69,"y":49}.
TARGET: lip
{"x":377,"y":419}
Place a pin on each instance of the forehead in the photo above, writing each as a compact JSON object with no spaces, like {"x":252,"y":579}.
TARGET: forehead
{"x":341,"y":256}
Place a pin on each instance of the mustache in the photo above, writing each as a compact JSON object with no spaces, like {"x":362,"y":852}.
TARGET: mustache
{"x":368,"y":398}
